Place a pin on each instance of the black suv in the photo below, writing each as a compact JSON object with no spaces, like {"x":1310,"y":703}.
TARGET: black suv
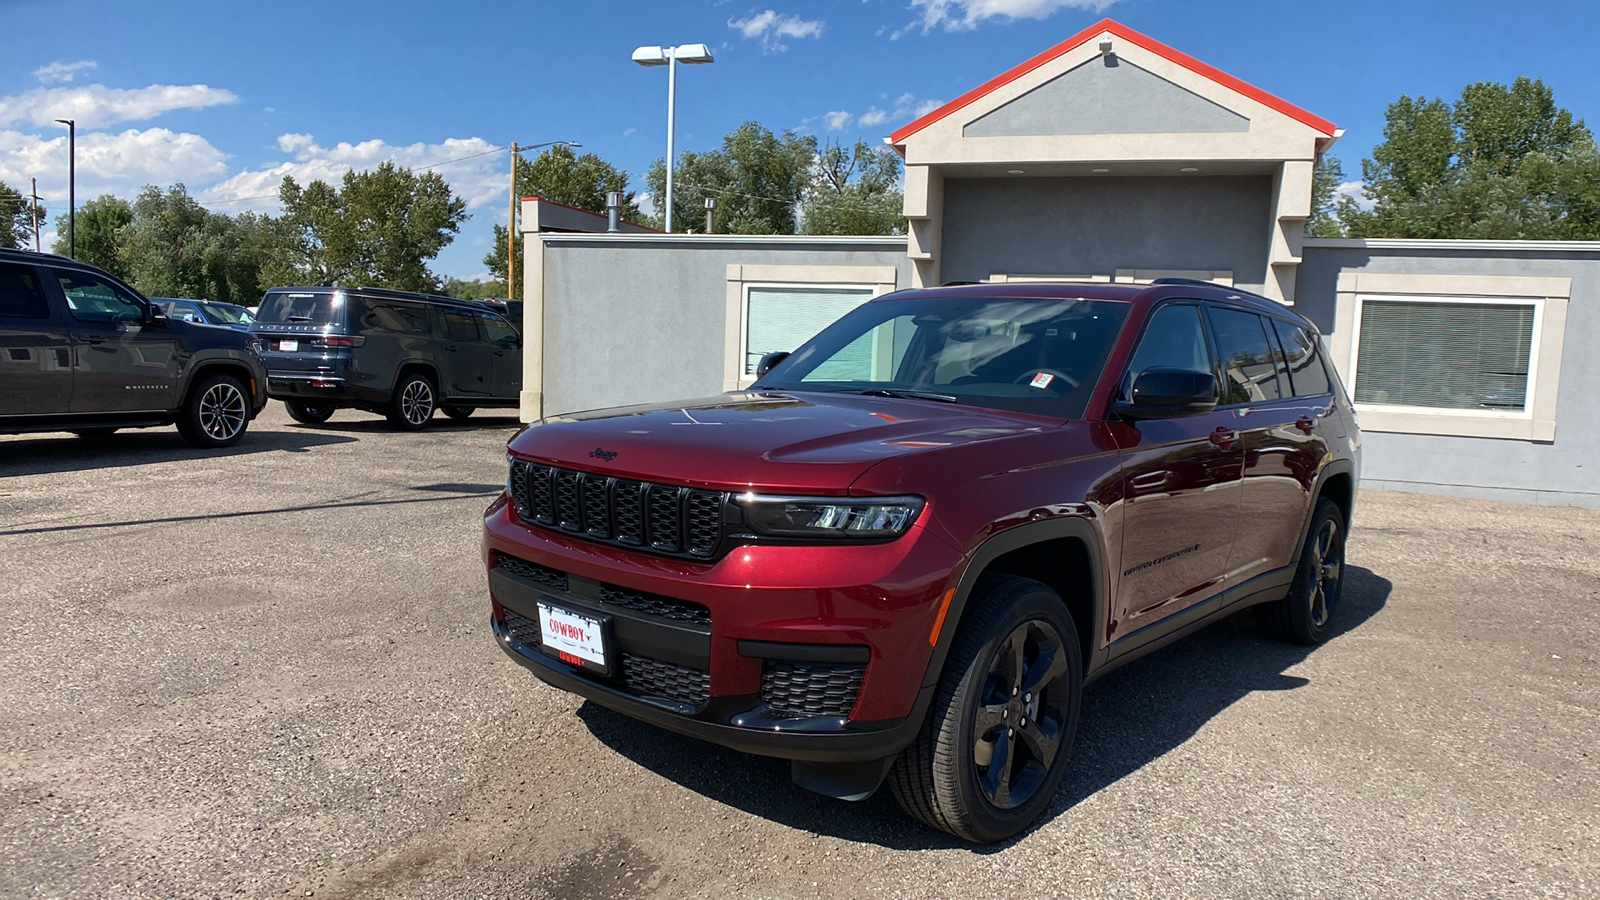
{"x":80,"y":351}
{"x":391,"y":352}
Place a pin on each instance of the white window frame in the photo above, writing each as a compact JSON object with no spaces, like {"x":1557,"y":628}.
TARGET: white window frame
{"x":879,"y":280}
{"x":1547,"y":295}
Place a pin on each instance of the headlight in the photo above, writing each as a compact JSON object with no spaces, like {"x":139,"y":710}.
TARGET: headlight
{"x":834,"y":518}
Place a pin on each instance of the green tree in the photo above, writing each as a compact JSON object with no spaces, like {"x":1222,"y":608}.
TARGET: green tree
{"x":759,"y":180}
{"x":557,"y":174}
{"x":854,"y":191}
{"x":100,"y":221}
{"x":1500,"y":162}
{"x":18,"y":216}
{"x":1325,"y":180}
{"x":471,"y":289}
{"x":381,"y":227}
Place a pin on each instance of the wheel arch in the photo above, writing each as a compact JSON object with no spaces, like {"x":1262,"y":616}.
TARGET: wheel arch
{"x":417,"y":365}
{"x":223,"y":366}
{"x":1336,"y":482}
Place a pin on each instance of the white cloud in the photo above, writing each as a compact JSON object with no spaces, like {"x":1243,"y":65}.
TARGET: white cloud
{"x":646,"y":202}
{"x":838,"y":120}
{"x":58,"y":71}
{"x":109,"y":163}
{"x":874,"y":116}
{"x":478,"y":179}
{"x":906,"y":108}
{"x":771,"y":28}
{"x":95,"y":105}
{"x":965,"y":15}
{"x":626,"y":132}
{"x":1353,"y":190}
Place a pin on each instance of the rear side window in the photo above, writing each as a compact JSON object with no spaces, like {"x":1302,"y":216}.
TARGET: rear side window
{"x":21,"y":296}
{"x":315,"y":308}
{"x":91,"y":298}
{"x":1306,"y":373}
{"x":403,"y":318}
{"x":500,"y":331}
{"x":459,"y":326}
{"x":1249,"y":362}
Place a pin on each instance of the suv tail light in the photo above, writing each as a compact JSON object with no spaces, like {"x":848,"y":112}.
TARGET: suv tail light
{"x":332,"y":341}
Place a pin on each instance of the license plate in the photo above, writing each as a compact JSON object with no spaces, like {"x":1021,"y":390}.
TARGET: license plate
{"x":574,"y":638}
{"x":288,"y":346}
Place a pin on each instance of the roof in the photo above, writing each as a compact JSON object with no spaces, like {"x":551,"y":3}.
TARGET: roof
{"x":1143,"y":41}
{"x":1073,"y":290}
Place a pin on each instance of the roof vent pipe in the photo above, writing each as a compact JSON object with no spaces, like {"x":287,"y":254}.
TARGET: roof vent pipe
{"x":613,"y":211}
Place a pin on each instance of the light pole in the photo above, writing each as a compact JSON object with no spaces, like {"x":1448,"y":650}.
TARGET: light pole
{"x":511,"y":218}
{"x":670,"y":57}
{"x":72,"y":186}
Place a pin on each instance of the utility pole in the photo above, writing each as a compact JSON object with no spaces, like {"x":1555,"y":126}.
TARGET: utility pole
{"x":34,"y":189}
{"x":511,"y":231}
{"x":72,"y":186}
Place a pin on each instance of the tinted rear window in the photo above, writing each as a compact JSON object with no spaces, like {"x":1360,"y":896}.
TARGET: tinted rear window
{"x":281,"y":308}
{"x":20,"y":294}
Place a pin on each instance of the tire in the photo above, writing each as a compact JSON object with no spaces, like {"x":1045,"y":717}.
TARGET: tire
{"x":95,"y":434}
{"x":308,"y":413}
{"x":216,"y":412}
{"x":984,"y":710}
{"x":1305,"y":615}
{"x":415,"y":399}
{"x":458,"y":413}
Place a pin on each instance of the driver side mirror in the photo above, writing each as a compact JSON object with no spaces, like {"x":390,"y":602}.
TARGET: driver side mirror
{"x":153,"y":313}
{"x":769,"y":360}
{"x":1162,"y":393}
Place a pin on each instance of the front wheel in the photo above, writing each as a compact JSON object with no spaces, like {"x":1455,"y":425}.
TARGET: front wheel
{"x":308,"y":413}
{"x":216,"y":413}
{"x":1306,"y":614}
{"x":413,"y":403}
{"x":995,"y":745}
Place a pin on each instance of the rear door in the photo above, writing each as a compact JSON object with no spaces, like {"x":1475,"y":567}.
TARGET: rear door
{"x":1278,"y":435}
{"x":506,"y":365}
{"x":467,"y":360}
{"x":119,"y":364}
{"x":35,"y":349}
{"x":1180,"y":486}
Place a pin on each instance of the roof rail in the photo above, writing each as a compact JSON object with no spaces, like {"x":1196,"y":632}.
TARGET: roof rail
{"x":1198,"y":282}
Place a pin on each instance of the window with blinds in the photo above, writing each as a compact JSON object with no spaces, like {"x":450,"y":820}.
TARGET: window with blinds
{"x":783,"y":318}
{"x":1444,"y":354}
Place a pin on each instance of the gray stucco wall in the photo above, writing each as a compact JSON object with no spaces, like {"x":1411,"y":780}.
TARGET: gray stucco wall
{"x":1107,"y":97}
{"x":1563,"y":472}
{"x":639,"y":321}
{"x":1083,"y":226}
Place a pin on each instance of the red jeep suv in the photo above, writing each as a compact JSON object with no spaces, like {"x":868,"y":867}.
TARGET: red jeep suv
{"x":906,"y":548}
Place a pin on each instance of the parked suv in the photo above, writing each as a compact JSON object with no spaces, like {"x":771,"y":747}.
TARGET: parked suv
{"x":209,"y":312}
{"x":81,"y":351}
{"x":391,"y":352}
{"x":904,"y":551}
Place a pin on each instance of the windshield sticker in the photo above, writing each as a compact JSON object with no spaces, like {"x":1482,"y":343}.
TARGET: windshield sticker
{"x":1042,"y":380}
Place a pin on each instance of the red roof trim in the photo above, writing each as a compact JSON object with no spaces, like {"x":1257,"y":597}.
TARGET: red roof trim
{"x":1128,"y":34}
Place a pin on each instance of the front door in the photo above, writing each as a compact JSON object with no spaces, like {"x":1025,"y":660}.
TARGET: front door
{"x":119,"y":364}
{"x":1180,"y":487}
{"x":466,"y":360}
{"x":35,"y":356}
{"x":506,"y":365}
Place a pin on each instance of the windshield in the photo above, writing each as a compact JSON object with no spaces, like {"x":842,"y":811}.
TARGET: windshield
{"x":293,"y":308}
{"x":228,"y":314}
{"x":1040,"y":356}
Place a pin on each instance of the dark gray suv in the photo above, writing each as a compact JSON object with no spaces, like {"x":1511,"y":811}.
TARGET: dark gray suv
{"x":397,"y":353}
{"x":80,"y":351}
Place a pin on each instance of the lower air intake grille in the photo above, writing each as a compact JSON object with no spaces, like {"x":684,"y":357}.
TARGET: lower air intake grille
{"x":655,"y":605}
{"x":522,"y":628}
{"x":810,"y":689}
{"x":551,"y":578}
{"x":648,"y":677}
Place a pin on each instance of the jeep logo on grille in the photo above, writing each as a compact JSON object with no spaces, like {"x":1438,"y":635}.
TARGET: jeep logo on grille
{"x":602,"y":453}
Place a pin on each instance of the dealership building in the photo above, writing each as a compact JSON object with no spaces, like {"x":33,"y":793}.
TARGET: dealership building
{"x":1112,"y":157}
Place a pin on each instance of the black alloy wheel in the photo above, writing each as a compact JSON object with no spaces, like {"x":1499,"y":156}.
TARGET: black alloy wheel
{"x":216,"y":413}
{"x":995,"y":745}
{"x":458,"y":413}
{"x":1305,"y":615}
{"x":414,"y":401}
{"x":308,"y":413}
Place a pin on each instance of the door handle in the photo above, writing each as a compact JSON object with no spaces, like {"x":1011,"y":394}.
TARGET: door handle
{"x":451,"y":347}
{"x":1224,"y":437}
{"x":1306,"y":424}
{"x":1149,"y":480}
{"x":92,"y":339}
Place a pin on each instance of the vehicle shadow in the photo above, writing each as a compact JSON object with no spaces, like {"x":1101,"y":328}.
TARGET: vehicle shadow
{"x":377,"y":424}
{"x":1130,"y":718}
{"x":46,"y":455}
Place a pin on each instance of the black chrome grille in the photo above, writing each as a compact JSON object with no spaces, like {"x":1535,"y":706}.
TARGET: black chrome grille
{"x":664,"y":518}
{"x":552,"y":578}
{"x":655,"y":605}
{"x":649,"y":677}
{"x":810,"y":689}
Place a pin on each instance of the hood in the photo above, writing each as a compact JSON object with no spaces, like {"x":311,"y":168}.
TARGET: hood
{"x":799,"y":442}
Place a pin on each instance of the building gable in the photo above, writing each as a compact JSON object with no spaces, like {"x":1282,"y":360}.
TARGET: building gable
{"x":1107,"y":96}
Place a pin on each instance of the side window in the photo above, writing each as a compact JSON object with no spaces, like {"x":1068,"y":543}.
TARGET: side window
{"x":20,"y":294}
{"x":398,"y":317}
{"x":94,"y":299}
{"x":1306,"y":373}
{"x":1174,"y":339}
{"x":459,"y":326}
{"x":1249,"y":368}
{"x":500,"y":332}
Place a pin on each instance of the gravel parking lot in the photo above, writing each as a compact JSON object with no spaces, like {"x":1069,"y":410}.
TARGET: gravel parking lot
{"x":269,"y":672}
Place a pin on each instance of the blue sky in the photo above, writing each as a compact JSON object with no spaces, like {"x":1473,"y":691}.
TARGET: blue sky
{"x":229,"y":97}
